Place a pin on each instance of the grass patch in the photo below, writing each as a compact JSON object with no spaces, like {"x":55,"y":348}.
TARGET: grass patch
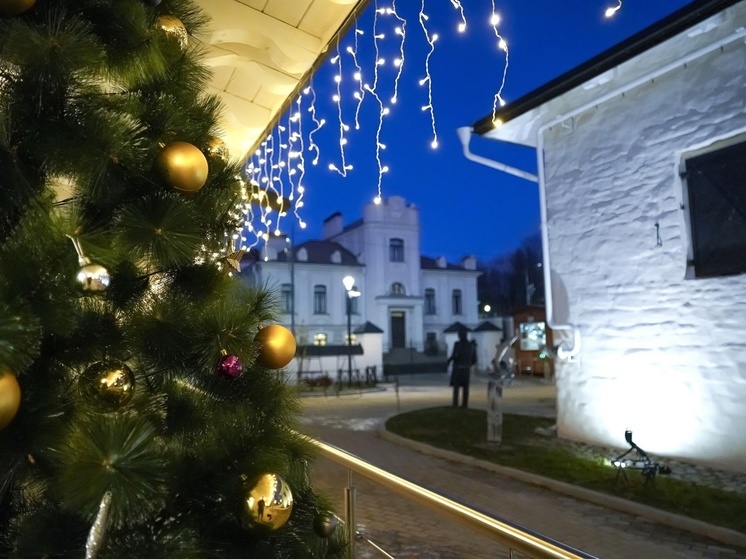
{"x":465,"y":432}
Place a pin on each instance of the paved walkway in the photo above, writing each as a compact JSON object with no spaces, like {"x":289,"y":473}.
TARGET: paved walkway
{"x":406,"y":530}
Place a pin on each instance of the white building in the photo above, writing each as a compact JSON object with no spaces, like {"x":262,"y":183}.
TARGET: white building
{"x":641,"y":162}
{"x":411,"y":298}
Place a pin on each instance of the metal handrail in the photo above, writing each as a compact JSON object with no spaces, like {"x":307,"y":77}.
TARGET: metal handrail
{"x":511,"y":535}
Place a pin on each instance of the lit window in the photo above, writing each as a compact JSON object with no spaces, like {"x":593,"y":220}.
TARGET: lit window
{"x":396,"y":250}
{"x":397,"y":289}
{"x":319,"y":299}
{"x":533,"y":336}
{"x":319,"y":339}
{"x":456,"y":301}
{"x":430,"y":301}
{"x":352,"y":340}
{"x":286,"y":298}
{"x":716,"y":194}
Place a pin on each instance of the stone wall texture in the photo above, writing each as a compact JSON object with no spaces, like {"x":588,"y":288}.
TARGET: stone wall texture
{"x":662,"y":355}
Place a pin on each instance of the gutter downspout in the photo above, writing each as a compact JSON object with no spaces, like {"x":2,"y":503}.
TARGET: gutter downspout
{"x":464,"y":134}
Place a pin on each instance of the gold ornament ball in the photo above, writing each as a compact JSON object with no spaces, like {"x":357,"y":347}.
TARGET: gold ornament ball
{"x":184,"y":166}
{"x":325,"y":524}
{"x":174,"y":29}
{"x":15,"y":7}
{"x":276,"y":346}
{"x":217,"y":149}
{"x":268,"y":502}
{"x":92,"y":277}
{"x":108,"y":384}
{"x":10,"y":399}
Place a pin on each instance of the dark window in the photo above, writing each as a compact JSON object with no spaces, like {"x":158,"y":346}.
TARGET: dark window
{"x":396,"y":250}
{"x":286,"y":298}
{"x":430,"y":301}
{"x":456,"y":301}
{"x":397,"y":289}
{"x":716,"y":188}
{"x":319,"y":299}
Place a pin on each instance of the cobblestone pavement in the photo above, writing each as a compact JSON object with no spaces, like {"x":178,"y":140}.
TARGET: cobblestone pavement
{"x":406,"y":530}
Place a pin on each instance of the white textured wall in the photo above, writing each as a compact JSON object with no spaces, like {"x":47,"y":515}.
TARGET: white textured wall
{"x":661,"y":355}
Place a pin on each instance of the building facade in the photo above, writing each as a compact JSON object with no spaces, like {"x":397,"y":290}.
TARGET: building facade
{"x":411,"y":298}
{"x":642,"y":158}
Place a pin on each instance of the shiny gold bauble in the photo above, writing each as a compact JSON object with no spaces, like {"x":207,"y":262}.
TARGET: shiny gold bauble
{"x":216,"y":148}
{"x":268,"y":502}
{"x":276,"y":346}
{"x":184,"y":166}
{"x":15,"y":7}
{"x":174,"y":29}
{"x":325,"y":524}
{"x":10,"y":399}
{"x":92,"y":277}
{"x":108,"y":384}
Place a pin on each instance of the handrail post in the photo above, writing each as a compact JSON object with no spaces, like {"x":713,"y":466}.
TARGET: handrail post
{"x":350,"y":503}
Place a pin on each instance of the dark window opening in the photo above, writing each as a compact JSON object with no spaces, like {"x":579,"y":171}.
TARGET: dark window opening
{"x":716,"y":187}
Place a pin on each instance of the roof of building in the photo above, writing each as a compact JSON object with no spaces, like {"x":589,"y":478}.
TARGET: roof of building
{"x":677,"y":22}
{"x":321,"y":252}
{"x":368,"y":328}
{"x":487,"y":326}
{"x":456,"y":327}
{"x":427,"y":263}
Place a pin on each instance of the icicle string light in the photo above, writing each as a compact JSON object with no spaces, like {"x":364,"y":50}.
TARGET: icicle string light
{"x":383,"y":111}
{"x":423,"y":18}
{"x":301,"y":165}
{"x":400,"y":30}
{"x":337,"y":98}
{"x":457,"y":4}
{"x":282,"y":156}
{"x":357,"y":76}
{"x":611,"y":11}
{"x":313,"y":146}
{"x":503,"y":46}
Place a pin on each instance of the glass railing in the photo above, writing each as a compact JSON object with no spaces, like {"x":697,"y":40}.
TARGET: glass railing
{"x":510,"y":536}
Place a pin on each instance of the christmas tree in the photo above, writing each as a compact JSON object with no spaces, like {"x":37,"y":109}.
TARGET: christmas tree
{"x":141,"y":410}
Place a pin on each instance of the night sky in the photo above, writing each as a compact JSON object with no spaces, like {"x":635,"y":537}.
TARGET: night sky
{"x":464,"y":207}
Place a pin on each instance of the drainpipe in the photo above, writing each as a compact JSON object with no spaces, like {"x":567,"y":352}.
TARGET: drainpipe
{"x":464,"y":133}
{"x":563,"y":352}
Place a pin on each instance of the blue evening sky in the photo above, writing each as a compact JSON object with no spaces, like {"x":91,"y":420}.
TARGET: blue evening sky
{"x":464,"y":207}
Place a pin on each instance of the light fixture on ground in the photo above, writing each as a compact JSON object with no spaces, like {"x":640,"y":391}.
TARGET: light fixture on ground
{"x":351,"y":293}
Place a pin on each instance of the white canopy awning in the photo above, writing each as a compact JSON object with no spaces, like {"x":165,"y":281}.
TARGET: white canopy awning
{"x":260,"y":51}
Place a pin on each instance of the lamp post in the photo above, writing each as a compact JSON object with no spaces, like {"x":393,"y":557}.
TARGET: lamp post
{"x":350,"y":292}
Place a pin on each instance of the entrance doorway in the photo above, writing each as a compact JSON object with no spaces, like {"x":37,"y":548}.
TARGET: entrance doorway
{"x":398,"y":330}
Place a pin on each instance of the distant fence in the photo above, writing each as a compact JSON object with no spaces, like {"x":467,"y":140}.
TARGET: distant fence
{"x":394,"y":369}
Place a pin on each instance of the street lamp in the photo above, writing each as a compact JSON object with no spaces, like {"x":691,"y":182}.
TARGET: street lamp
{"x":351,"y":292}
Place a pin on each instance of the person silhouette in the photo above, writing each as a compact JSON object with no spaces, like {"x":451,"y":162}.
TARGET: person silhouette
{"x":462,"y":357}
{"x":260,"y":509}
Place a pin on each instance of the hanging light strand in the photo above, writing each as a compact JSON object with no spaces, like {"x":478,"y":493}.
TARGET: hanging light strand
{"x":614,"y":9}
{"x":461,"y":26}
{"x":319,"y":123}
{"x":357,"y":76}
{"x":502,"y":45}
{"x":400,"y":30}
{"x":301,"y":165}
{"x":337,"y":98}
{"x":423,"y":18}
{"x":383,"y":111}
